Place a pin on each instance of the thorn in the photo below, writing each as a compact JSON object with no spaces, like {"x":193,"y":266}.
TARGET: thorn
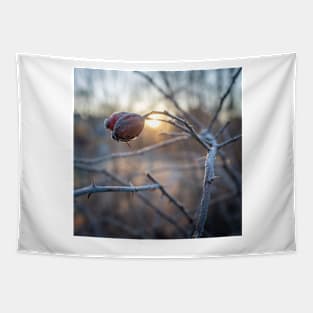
{"x":132,"y":193}
{"x":93,"y":184}
{"x":213,"y":178}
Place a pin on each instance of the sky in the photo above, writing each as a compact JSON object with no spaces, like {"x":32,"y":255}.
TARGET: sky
{"x":99,"y":92}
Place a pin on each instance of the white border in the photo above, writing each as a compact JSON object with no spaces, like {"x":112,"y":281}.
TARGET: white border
{"x":51,"y":243}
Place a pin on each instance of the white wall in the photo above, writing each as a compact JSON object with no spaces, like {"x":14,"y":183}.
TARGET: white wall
{"x":143,"y":30}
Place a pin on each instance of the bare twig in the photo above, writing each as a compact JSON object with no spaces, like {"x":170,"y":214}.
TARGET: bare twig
{"x":170,"y":97}
{"x":93,"y":188}
{"x":191,"y":130}
{"x":223,"y":98}
{"x":171,"y":134}
{"x":132,"y":153}
{"x":168,"y":218}
{"x":231,"y":173}
{"x":222,"y":129}
{"x":228,"y":141}
{"x":173,"y":123}
{"x":171,"y":198}
{"x":167,"y":82}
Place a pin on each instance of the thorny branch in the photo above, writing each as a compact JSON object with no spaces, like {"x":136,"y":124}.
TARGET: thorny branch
{"x":188,"y":127}
{"x":209,"y":175}
{"x":93,"y":188}
{"x":171,"y":198}
{"x":140,"y":195}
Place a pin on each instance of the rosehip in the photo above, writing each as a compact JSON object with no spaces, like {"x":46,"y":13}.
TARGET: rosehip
{"x":110,"y":122}
{"x":127,"y":127}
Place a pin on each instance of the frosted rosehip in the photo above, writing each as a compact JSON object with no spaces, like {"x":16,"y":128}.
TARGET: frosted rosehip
{"x":110,"y":122}
{"x":128,"y":126}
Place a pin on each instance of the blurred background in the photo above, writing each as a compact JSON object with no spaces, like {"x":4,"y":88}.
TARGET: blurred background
{"x":179,"y":166}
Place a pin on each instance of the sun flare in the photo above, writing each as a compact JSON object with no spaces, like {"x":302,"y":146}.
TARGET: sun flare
{"x":152,"y":121}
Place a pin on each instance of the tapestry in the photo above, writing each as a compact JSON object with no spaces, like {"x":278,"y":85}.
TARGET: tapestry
{"x":179,"y":159}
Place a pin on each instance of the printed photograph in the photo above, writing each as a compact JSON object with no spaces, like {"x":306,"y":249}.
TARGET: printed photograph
{"x":157,"y":154}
